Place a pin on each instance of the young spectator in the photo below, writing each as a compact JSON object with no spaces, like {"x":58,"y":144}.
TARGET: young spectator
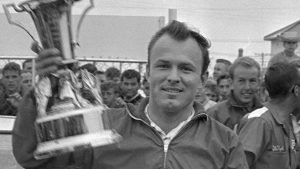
{"x":263,"y":92}
{"x":111,"y":95}
{"x":221,"y":67}
{"x":245,"y":75}
{"x":223,"y":83}
{"x":90,"y":68}
{"x":202,"y":98}
{"x":12,"y":78}
{"x":26,"y":78}
{"x":12,"y":83}
{"x":211,"y":90}
{"x":6,"y":108}
{"x":130,"y":84}
{"x":100,"y":75}
{"x":27,"y":65}
{"x":113,"y":74}
{"x":146,"y":87}
{"x":268,"y":134}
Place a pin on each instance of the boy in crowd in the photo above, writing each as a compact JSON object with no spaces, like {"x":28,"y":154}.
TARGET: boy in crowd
{"x":223,"y":83}
{"x":111,"y":95}
{"x":113,"y":74}
{"x":12,"y":84}
{"x":100,"y":75}
{"x":146,"y":87}
{"x":130,"y":84}
{"x":221,"y":67}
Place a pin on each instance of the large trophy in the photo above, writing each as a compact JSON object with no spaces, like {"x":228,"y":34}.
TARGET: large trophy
{"x":70,"y":109}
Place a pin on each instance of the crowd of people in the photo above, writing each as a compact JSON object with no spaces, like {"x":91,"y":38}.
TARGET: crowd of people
{"x":116,"y":88}
{"x":177,"y":115}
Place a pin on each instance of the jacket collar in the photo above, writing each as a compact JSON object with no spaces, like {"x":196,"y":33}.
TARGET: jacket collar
{"x":233,"y":102}
{"x":276,"y":116}
{"x":138,"y":113}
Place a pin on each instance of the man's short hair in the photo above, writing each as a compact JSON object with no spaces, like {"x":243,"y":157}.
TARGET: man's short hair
{"x":112,"y":72}
{"x":225,"y":62}
{"x":145,"y":80}
{"x":280,"y":78}
{"x":110,"y":85}
{"x":222,"y":77}
{"x":99,"y":72}
{"x":212,"y":85}
{"x":244,"y":61}
{"x":130,"y":74}
{"x":12,"y":66}
{"x":180,"y":32}
{"x":89,"y":67}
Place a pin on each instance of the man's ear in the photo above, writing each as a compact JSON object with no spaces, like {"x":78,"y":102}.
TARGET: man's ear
{"x":296,"y":91}
{"x":230,"y":80}
{"x":147,"y":72}
{"x":204,"y":77}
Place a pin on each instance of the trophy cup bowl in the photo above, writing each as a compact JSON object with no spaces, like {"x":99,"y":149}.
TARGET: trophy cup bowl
{"x":66,"y":121}
{"x":72,"y":130}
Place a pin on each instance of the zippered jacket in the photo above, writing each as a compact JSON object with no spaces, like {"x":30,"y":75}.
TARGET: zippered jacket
{"x":229,"y":112}
{"x":201,"y":143}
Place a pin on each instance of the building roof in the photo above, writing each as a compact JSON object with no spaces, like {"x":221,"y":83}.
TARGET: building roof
{"x":275,"y":35}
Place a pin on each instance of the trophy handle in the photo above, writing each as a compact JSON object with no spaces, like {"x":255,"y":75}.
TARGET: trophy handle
{"x":75,"y":43}
{"x":16,"y":23}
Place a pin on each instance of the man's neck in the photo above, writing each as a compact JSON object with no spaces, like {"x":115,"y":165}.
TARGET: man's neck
{"x":288,"y":53}
{"x":166,"y":119}
{"x":282,"y":107}
{"x":130,"y":98}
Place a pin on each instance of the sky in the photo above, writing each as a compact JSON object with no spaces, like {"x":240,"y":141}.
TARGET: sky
{"x":228,"y":24}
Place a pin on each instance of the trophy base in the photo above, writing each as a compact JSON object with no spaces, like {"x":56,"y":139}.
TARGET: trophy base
{"x":73,"y":143}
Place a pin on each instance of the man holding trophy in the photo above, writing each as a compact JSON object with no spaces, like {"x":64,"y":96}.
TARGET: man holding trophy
{"x":167,"y":130}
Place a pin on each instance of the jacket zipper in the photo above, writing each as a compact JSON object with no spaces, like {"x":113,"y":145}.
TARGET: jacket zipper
{"x":166,"y":147}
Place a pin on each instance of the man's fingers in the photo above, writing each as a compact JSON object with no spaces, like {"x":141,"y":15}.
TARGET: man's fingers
{"x":48,"y":53}
{"x":50,"y":61}
{"x":47,"y":70}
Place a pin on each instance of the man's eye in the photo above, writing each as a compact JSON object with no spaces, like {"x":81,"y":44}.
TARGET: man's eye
{"x":187,"y":69}
{"x":162,"y":66}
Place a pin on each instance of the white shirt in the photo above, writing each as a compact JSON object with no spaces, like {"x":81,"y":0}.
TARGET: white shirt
{"x":167,"y":137}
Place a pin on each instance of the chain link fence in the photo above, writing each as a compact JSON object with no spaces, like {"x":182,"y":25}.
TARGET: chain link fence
{"x":101,"y":64}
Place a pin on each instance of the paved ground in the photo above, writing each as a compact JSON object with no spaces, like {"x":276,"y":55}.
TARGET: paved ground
{"x":7,"y":160}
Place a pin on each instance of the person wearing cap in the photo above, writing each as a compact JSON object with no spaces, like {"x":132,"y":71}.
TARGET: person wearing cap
{"x":268,"y":134}
{"x":290,"y":43}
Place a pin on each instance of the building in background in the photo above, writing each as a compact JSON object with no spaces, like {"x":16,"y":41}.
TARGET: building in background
{"x":276,"y":43}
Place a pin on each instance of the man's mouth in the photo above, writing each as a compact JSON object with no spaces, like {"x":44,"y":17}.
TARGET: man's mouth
{"x":174,"y":90}
{"x":247,"y":94}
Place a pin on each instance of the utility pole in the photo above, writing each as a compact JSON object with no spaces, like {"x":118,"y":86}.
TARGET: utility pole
{"x":262,"y":59}
{"x":172,"y":15}
{"x":240,"y":52}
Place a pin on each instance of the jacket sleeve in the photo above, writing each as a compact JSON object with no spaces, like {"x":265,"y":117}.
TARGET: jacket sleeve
{"x":254,"y":133}
{"x":23,"y":136}
{"x":24,"y":142}
{"x":236,"y":158}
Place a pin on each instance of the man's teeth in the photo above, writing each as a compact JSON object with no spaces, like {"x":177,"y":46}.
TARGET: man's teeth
{"x":173,"y":90}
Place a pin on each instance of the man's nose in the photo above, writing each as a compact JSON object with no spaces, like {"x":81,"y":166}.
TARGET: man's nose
{"x":173,"y":76}
{"x":247,"y":85}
